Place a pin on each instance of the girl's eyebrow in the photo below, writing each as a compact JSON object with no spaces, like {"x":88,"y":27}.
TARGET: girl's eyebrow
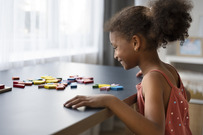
{"x":110,"y":43}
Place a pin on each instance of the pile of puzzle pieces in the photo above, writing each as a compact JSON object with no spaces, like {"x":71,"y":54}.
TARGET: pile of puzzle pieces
{"x":107,"y":87}
{"x":49,"y":82}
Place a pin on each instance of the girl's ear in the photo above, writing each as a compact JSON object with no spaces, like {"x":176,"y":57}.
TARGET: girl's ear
{"x":136,"y":42}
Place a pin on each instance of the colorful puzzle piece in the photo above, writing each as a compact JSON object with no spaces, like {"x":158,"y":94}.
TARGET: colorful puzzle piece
{"x":28,"y":83}
{"x":50,"y":86}
{"x":52,"y":81}
{"x":95,"y":86}
{"x":117,"y":88}
{"x":86,"y":81}
{"x":19,"y":85}
{"x":3,"y":88}
{"x":60,"y":87}
{"x":71,"y":79}
{"x":48,"y":77}
{"x":108,"y":87}
{"x":37,"y":82}
{"x":41,"y":86}
{"x":15,"y":78}
{"x":103,"y":85}
{"x":73,"y":85}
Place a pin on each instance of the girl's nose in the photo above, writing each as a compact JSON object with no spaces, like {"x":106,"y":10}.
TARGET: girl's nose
{"x":115,"y":55}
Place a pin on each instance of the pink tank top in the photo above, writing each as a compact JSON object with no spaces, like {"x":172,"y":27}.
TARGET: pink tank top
{"x":177,"y":116}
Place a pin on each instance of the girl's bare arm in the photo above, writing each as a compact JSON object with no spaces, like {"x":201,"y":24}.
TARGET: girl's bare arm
{"x":152,"y":123}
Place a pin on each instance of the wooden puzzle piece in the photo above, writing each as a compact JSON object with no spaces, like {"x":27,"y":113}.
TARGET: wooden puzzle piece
{"x":37,"y":82}
{"x":107,"y":88}
{"x":2,"y":86}
{"x":104,"y":85}
{"x":60,"y":87}
{"x":117,"y":88}
{"x":41,"y":86}
{"x":52,"y":81}
{"x":73,"y":85}
{"x":86,"y":81}
{"x":19,"y":85}
{"x":71,"y":79}
{"x":48,"y":77}
{"x":15,"y":78}
{"x":95,"y":86}
{"x":50,"y":86}
{"x":5,"y":89}
{"x":27,"y":83}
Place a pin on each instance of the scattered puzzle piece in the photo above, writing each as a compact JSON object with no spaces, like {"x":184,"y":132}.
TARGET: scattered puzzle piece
{"x":95,"y":86}
{"x":5,"y":89}
{"x":2,"y":86}
{"x":50,"y":86}
{"x":80,"y":80}
{"x":59,"y":79}
{"x":28,"y":83}
{"x":52,"y":81}
{"x":117,"y":88}
{"x":73,"y":85}
{"x":103,"y":85}
{"x":37,"y":82}
{"x":41,"y":86}
{"x":107,"y":88}
{"x":72,"y":79}
{"x":86,"y":81}
{"x":60,"y":87}
{"x":19,"y":85}
{"x":48,"y":77}
{"x":15,"y":82}
{"x":112,"y":85}
{"x":15,"y":78}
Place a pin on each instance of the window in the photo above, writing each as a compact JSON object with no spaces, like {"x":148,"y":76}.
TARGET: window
{"x":39,"y":29}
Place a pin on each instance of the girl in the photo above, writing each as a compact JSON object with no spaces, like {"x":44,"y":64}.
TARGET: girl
{"x":136,"y":33}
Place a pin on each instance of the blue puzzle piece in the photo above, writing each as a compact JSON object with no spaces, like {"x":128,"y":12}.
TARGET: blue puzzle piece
{"x":117,"y":88}
{"x":71,"y":79}
{"x":73,"y":85}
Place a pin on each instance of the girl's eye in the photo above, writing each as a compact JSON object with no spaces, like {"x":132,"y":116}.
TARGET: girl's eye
{"x":115,"y":47}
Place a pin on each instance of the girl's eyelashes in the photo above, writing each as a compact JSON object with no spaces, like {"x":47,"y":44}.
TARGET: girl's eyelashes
{"x":114,"y":47}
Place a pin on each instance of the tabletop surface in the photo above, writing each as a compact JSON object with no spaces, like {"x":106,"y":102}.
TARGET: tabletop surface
{"x":40,"y":111}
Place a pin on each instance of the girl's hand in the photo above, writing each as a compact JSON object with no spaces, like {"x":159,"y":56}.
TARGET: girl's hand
{"x":101,"y":100}
{"x":139,"y":74}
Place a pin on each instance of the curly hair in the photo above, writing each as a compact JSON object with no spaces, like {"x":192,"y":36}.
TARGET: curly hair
{"x":164,"y":21}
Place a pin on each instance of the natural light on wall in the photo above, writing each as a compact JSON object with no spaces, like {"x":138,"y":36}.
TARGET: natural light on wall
{"x":36,"y":31}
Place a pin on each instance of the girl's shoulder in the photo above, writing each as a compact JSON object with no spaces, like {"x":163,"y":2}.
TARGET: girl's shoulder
{"x":161,"y":78}
{"x":152,"y":81}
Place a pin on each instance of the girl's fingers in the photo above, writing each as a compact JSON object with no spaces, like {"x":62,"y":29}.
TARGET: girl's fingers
{"x":71,"y":100}
{"x":80,"y":104}
{"x":139,"y":73}
{"x":74,"y":101}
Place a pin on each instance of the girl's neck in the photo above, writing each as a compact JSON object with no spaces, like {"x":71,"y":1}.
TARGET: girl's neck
{"x":150,"y":60}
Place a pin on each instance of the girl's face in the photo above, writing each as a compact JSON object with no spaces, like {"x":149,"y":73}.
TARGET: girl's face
{"x":124,"y":51}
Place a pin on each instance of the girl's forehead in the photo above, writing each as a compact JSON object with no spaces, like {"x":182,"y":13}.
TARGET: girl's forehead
{"x":114,"y":36}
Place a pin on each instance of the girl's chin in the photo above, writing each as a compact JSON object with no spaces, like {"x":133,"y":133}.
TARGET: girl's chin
{"x":126,"y":67}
